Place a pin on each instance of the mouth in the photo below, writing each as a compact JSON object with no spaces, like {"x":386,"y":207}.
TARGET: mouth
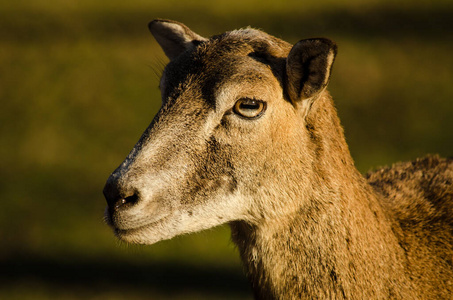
{"x":134,"y":235}
{"x":108,"y":218}
{"x":147,"y":233}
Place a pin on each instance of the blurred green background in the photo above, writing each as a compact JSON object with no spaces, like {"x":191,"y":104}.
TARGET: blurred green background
{"x":78,"y":85}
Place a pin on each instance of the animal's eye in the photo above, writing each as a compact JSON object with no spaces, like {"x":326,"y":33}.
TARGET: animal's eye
{"x":249,"y":108}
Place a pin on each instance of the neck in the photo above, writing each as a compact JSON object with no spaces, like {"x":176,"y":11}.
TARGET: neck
{"x":338,"y":243}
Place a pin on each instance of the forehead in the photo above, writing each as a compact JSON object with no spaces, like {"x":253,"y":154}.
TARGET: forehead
{"x":240,"y":56}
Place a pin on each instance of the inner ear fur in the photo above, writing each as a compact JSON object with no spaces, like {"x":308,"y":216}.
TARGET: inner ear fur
{"x":174,"y":37}
{"x":308,"y":68}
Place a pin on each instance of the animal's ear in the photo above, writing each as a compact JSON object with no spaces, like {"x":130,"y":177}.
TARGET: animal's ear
{"x":308,"y":68}
{"x":173,"y":37}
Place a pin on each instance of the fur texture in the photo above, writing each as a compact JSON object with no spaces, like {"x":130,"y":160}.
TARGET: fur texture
{"x":307,"y":224}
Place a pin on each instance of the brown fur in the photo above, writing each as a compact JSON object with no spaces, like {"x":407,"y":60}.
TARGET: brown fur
{"x":307,"y":224}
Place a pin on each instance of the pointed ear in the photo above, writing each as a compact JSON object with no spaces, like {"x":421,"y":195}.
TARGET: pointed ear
{"x":173,"y":37}
{"x":308,"y":68}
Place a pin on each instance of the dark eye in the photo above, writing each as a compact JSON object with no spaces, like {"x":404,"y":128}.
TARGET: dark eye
{"x":249,"y":108}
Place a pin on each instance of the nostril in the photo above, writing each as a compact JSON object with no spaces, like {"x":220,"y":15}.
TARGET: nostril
{"x":119,"y":195}
{"x":131,"y":200}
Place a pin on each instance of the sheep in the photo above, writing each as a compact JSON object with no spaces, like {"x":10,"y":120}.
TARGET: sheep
{"x":248,"y":135}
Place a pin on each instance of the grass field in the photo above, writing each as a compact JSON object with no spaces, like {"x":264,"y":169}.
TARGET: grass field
{"x":78,"y":85}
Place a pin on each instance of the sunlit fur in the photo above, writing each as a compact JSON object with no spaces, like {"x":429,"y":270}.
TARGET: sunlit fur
{"x":307,"y":224}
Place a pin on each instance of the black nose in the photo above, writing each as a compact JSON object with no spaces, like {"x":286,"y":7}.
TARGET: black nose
{"x":119,"y":195}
